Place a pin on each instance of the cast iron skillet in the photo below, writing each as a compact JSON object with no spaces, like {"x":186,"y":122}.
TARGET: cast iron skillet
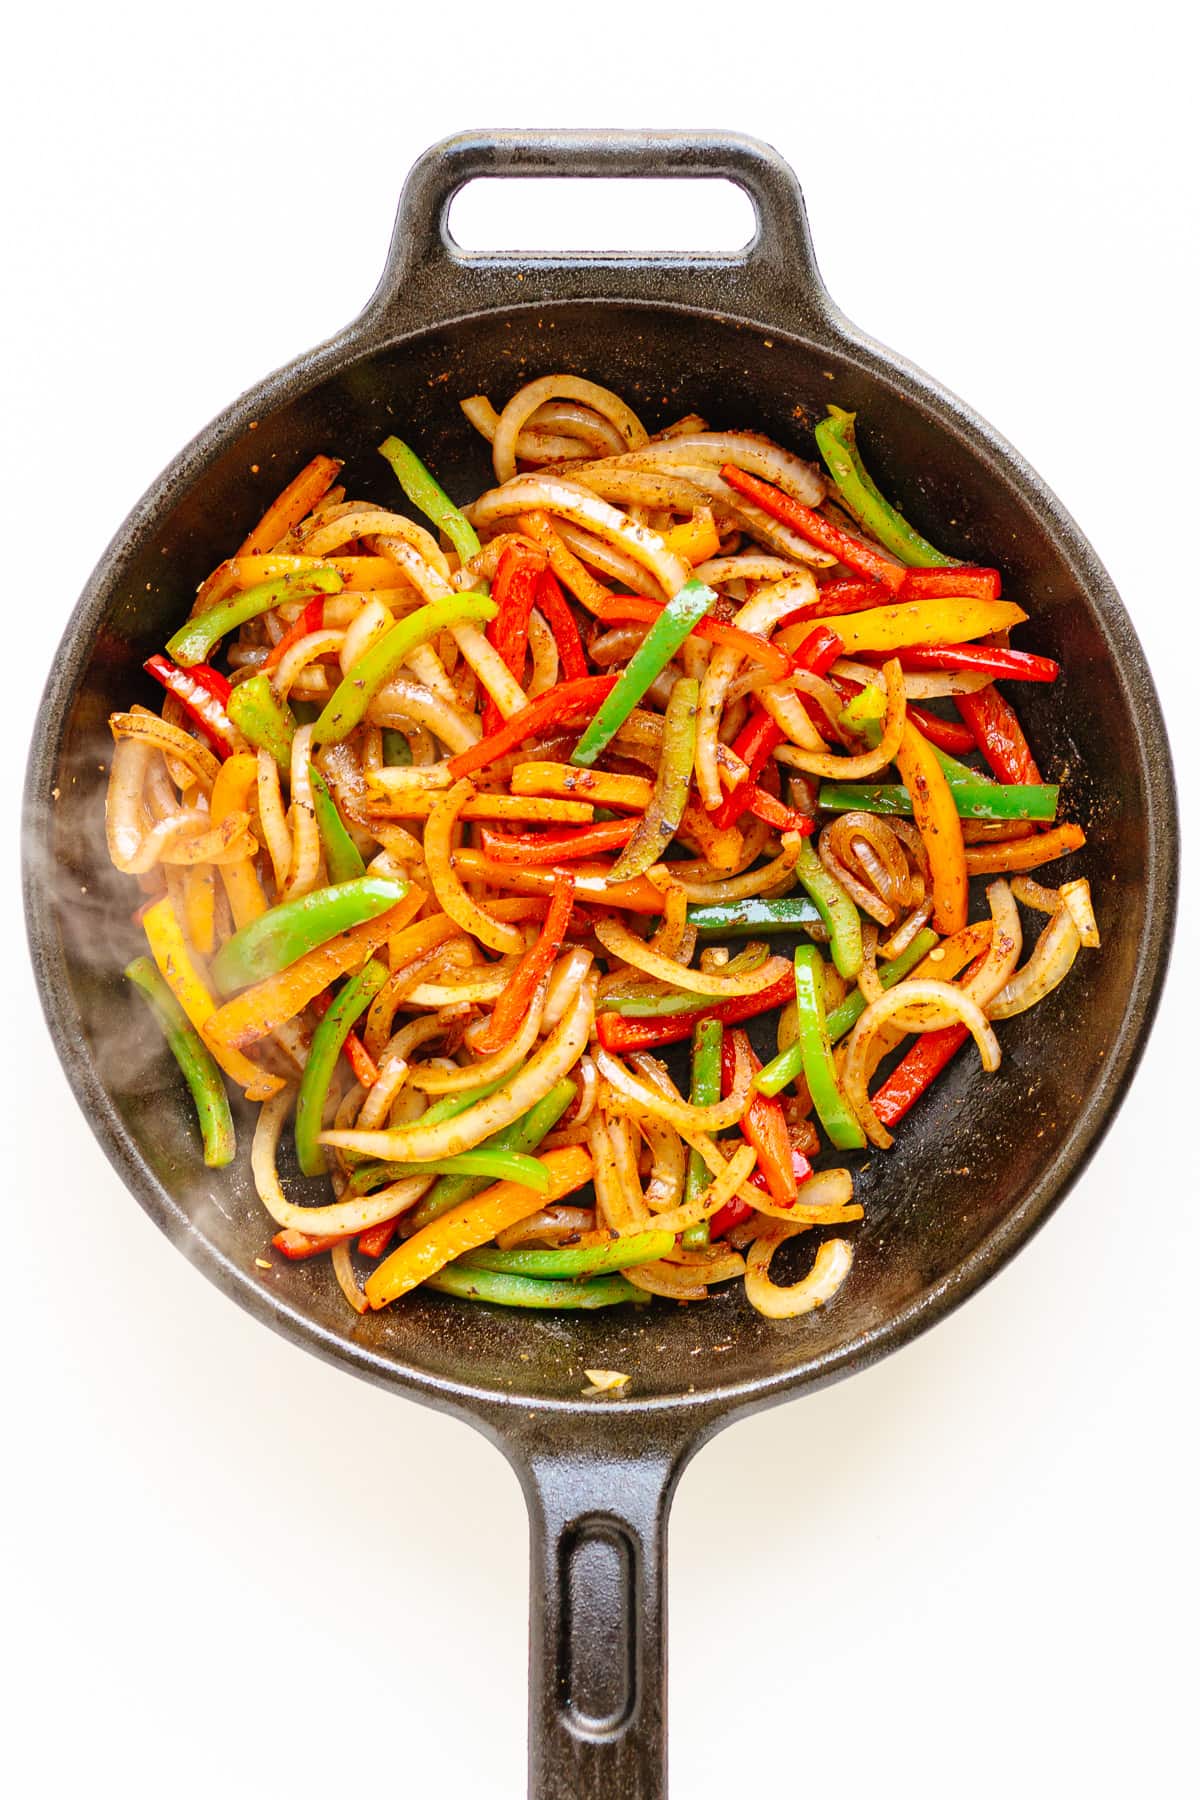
{"x":750,"y":339}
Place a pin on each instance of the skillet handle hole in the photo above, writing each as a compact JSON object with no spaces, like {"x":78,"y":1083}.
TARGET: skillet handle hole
{"x":596,"y":216}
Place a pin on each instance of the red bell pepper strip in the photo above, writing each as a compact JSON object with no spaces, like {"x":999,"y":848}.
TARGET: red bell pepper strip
{"x":202,"y":699}
{"x":297,"y":1246}
{"x":573,"y":700}
{"x":997,"y":731}
{"x":954,"y":578}
{"x":513,"y":1004}
{"x":818,"y":651}
{"x":754,"y":743}
{"x":551,"y":603}
{"x":986,"y":659}
{"x":947,"y":734}
{"x":375,"y":1241}
{"x":737,"y":1210}
{"x":310,"y":620}
{"x":845,"y":594}
{"x":557,"y":846}
{"x":621,"y":1035}
{"x":366,"y":1071}
{"x":816,"y":529}
{"x":751,"y":644}
{"x":513,"y":591}
{"x":921,"y":1065}
{"x":773,"y":812}
{"x":763,"y":1124}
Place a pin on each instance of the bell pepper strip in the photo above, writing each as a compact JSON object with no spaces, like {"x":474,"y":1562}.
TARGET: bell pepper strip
{"x":492,"y":1164}
{"x":513,"y":591}
{"x":844,"y":1017}
{"x":862,"y":499}
{"x":935,"y":815}
{"x":257,"y":1011}
{"x":514,"y":1003}
{"x":997,"y":731}
{"x":755,"y":743}
{"x":737,"y":1210}
{"x":471,"y":1224}
{"x":815,"y":528}
{"x":893,"y":628}
{"x":523,"y":1136}
{"x":750,"y":918}
{"x":816,"y":1056}
{"x":656,"y":1001}
{"x":838,"y":912}
{"x":297,"y":1246}
{"x":194,"y":640}
{"x":577,"y":579}
{"x":774,"y":813}
{"x":421,"y":488}
{"x":343,"y":859}
{"x":974,"y":799}
{"x":569,"y":1263}
{"x":264,"y":720}
{"x":955,"y":578}
{"x":561,"y":780}
{"x":1025,"y":852}
{"x":397,"y":751}
{"x":696,"y":539}
{"x":285,"y":933}
{"x":326,"y":1047}
{"x":572,"y":700}
{"x":762,"y":1124}
{"x":662,"y":818}
{"x":311,"y":619}
{"x":360,"y":574}
{"x":651,"y":657}
{"x":539,"y":847}
{"x":366,"y":1070}
{"x":947,"y":734}
{"x":592,"y":881}
{"x":347,"y":705}
{"x":551,"y":603}
{"x":620,"y":608}
{"x":295,"y":503}
{"x":622,"y":1035}
{"x":845,"y":594}
{"x":202,"y":701}
{"x":170,"y":952}
{"x":523,"y":1290}
{"x":707,"y":1062}
{"x":982,"y":659}
{"x":917,"y":1070}
{"x":232,"y":791}
{"x":195,"y":1061}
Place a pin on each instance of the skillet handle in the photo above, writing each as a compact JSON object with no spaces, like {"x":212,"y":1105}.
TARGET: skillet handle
{"x":597,"y":1615}
{"x":427,"y":278}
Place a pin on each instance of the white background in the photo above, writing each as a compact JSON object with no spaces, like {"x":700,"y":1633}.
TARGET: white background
{"x":231,"y":1570}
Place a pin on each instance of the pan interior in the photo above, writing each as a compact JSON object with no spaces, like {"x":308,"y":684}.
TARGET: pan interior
{"x":966,"y":1159}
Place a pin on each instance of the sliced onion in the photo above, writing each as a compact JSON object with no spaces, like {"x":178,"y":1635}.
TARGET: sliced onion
{"x":1053,"y":954}
{"x":1077,"y":898}
{"x":567,"y":976}
{"x":342,"y":1216}
{"x":566,"y":499}
{"x":553,"y":1225}
{"x":453,"y":1081}
{"x":124,"y":812}
{"x":343,"y":1269}
{"x":543,"y":656}
{"x":880,"y":1012}
{"x":526,"y":401}
{"x":830,"y":1269}
{"x":678,"y":1111}
{"x":667,"y":1280}
{"x":140,"y":726}
{"x":857,"y":768}
{"x":272,"y":818}
{"x":618,"y":940}
{"x":760,"y":616}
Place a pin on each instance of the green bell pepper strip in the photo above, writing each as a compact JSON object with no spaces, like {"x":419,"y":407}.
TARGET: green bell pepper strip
{"x":660,"y":1002}
{"x":195,"y":1060}
{"x":664,"y":814}
{"x":650,"y":658}
{"x":785,"y":1067}
{"x":324,"y":1051}
{"x":349,"y":701}
{"x":523,"y":1290}
{"x":706,"y":1091}
{"x":397,"y":751}
{"x":194,"y":640}
{"x":523,"y":1135}
{"x":263,"y":719}
{"x":559,"y":1265}
{"x":343,"y":859}
{"x":972,"y":800}
{"x":425,"y":494}
{"x":816,"y":1056}
{"x":838,"y":911}
{"x":859,"y":495}
{"x":373,"y":1174}
{"x":493,"y":1165}
{"x":280,"y":936}
{"x":747,"y":918}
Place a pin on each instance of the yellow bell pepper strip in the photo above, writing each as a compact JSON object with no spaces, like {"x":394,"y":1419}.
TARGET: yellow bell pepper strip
{"x":421,"y":488}
{"x":662,"y":817}
{"x":696,"y":539}
{"x":195,"y":1061}
{"x":547,"y":1296}
{"x":863,"y":500}
{"x":193,"y":642}
{"x":231,"y":793}
{"x":263,"y":719}
{"x":343,"y":859}
{"x":169,"y":950}
{"x":199,"y":883}
{"x":816,"y":1056}
{"x":523,"y":1136}
{"x":949,"y":621}
{"x":651,"y":657}
{"x":348,"y":704}
{"x":323,"y":1053}
{"x":273,"y":1002}
{"x":936,"y":818}
{"x":285,"y":933}
{"x":838,"y":911}
{"x":705,"y":1091}
{"x":473,"y":1223}
{"x":583,"y":1259}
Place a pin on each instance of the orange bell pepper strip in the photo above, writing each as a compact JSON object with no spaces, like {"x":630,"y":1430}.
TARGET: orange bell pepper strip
{"x":360,"y":574}
{"x":566,"y":781}
{"x":566,"y":565}
{"x":169,"y":950}
{"x":949,"y":621}
{"x":295,"y":503}
{"x":936,"y":818}
{"x":1025,"y":852}
{"x":200,"y":908}
{"x":591,"y":881}
{"x":232,"y":791}
{"x":474,"y":1222}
